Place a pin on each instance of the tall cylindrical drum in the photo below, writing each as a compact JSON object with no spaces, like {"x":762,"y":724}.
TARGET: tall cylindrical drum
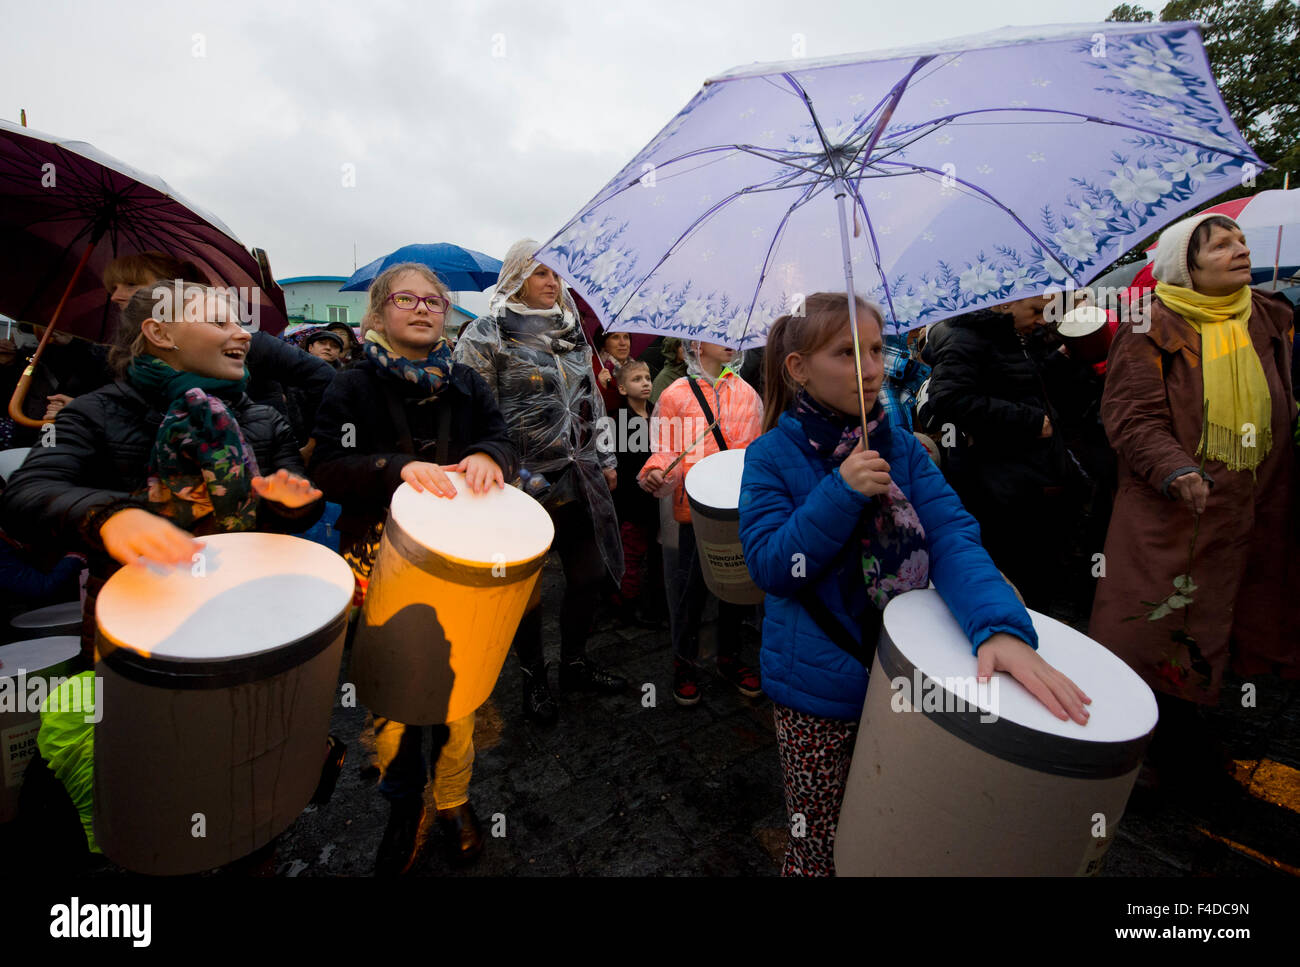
{"x":713,"y":489}
{"x":217,"y":683}
{"x":450,"y":584}
{"x":29,"y":671}
{"x":954,"y":778}
{"x":1087,"y":332}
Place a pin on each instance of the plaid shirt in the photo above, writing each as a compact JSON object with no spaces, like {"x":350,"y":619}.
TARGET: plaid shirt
{"x":903,"y":378}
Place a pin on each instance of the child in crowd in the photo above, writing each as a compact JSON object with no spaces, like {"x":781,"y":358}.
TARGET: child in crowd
{"x":405,"y":413}
{"x":638,"y":511}
{"x":870,"y":519}
{"x":710,"y":389}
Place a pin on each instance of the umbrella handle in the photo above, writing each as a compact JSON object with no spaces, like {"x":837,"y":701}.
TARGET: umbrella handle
{"x":24,"y":382}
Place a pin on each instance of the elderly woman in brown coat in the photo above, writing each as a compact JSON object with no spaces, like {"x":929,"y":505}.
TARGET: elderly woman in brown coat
{"x":1215,"y":502}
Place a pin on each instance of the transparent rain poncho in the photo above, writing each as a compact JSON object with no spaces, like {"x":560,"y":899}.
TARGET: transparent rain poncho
{"x":538,"y":364}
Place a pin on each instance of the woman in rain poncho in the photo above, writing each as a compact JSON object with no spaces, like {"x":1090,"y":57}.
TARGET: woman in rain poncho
{"x":530,"y":350}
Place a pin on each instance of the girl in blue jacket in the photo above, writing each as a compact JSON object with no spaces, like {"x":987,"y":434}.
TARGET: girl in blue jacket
{"x":853,"y":524}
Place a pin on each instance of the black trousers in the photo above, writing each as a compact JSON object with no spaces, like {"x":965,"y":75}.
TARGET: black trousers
{"x":584,"y":578}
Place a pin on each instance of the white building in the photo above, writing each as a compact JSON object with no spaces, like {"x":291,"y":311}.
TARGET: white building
{"x":317,"y":299}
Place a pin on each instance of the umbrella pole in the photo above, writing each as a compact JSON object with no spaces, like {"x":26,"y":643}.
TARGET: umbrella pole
{"x":841,"y":192}
{"x":24,"y":382}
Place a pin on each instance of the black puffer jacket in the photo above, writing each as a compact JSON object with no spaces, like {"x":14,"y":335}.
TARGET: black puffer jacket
{"x":988,"y":381}
{"x":358,"y":459}
{"x":63,"y":493}
{"x":102,"y":443}
{"x":289,"y":379}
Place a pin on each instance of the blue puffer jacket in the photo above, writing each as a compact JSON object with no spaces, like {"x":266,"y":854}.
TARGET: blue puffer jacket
{"x":791,"y":503}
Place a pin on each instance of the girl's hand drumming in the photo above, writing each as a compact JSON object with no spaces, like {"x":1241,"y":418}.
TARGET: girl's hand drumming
{"x":134,"y":533}
{"x":480,"y":471}
{"x":866,"y":471}
{"x":286,"y":488}
{"x":1007,"y":653}
{"x":429,"y":476}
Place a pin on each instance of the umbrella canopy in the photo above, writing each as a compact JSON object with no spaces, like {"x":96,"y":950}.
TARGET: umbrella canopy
{"x":62,"y":198}
{"x":976,"y":171}
{"x":1270,"y":220}
{"x":461,"y":269}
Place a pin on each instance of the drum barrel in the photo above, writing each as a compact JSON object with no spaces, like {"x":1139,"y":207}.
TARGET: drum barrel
{"x":942,"y":788}
{"x":29,"y":671}
{"x":435,"y":630}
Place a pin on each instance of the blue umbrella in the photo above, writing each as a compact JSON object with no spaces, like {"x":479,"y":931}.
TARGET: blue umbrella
{"x":461,"y":269}
{"x":943,"y":178}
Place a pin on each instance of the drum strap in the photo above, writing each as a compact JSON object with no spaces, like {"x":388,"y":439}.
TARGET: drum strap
{"x":832,"y":628}
{"x":708,"y":413}
{"x":404,"y":441}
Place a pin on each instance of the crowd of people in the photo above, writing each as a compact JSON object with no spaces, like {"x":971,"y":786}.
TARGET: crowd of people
{"x":988,"y":461}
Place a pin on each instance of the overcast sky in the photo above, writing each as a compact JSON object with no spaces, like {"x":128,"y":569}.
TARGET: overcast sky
{"x":469,"y":122}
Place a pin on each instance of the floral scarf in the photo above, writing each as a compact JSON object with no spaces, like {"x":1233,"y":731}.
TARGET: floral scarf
{"x":894,"y":556}
{"x":431,"y":375}
{"x":200,"y":463}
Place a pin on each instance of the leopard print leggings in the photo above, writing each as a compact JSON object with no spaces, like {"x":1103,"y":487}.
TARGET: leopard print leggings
{"x":815,"y":756}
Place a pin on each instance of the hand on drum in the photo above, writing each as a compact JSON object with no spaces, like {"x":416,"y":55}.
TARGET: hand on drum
{"x":286,"y":488}
{"x":135,"y":533}
{"x":1007,"y":653}
{"x":481,"y":472}
{"x":866,"y":471}
{"x":428,"y":476}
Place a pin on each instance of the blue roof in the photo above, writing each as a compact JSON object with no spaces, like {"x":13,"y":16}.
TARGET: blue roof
{"x":312,"y":278}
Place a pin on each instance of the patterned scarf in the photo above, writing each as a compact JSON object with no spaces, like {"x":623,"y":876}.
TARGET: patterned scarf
{"x":200,"y":463}
{"x":894,"y":556}
{"x":430,"y":376}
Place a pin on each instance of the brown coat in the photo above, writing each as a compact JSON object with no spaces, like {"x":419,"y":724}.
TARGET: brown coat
{"x":1246,"y":567}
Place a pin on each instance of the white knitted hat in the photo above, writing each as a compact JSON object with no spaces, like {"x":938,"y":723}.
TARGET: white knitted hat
{"x":1170,"y":262}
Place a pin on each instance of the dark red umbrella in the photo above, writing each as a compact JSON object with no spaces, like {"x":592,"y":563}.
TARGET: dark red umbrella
{"x":67,"y":210}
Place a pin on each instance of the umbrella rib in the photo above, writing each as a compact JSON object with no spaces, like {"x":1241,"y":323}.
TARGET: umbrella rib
{"x":993,"y":201}
{"x":1077,"y":114}
{"x":776,"y":237}
{"x":875,"y":248}
{"x":634,"y":289}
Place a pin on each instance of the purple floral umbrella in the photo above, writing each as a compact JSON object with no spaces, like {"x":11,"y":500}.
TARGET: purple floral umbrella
{"x":942,"y":178}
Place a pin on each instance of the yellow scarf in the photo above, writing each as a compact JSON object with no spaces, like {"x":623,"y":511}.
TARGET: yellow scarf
{"x":1240,"y":433}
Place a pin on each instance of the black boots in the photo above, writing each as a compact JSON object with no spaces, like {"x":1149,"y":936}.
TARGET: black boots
{"x":399,"y":846}
{"x":538,"y":703}
{"x":462,"y":837}
{"x":582,"y":675}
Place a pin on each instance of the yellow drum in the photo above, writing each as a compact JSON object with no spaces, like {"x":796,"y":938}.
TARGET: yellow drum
{"x":451,"y":582}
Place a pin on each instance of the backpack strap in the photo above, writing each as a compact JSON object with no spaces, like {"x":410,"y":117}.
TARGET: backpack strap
{"x":708,"y":412}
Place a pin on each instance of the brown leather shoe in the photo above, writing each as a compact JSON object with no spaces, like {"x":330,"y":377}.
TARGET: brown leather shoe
{"x":462,"y":837}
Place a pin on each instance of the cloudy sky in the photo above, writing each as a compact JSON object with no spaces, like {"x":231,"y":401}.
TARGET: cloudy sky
{"x":467,"y":121}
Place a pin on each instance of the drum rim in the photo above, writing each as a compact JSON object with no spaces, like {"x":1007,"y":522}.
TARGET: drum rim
{"x":476,"y":574}
{"x":1046,"y":752}
{"x":686,"y":481}
{"x":709,"y":510}
{"x":210,"y":673}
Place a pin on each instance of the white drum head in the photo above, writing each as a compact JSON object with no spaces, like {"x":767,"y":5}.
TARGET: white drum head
{"x":504,"y":525}
{"x":1080,"y":322}
{"x":715,"y":480}
{"x":34,"y":656}
{"x":250,"y":593}
{"x":1123,"y":707}
{"x":51,"y":616}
